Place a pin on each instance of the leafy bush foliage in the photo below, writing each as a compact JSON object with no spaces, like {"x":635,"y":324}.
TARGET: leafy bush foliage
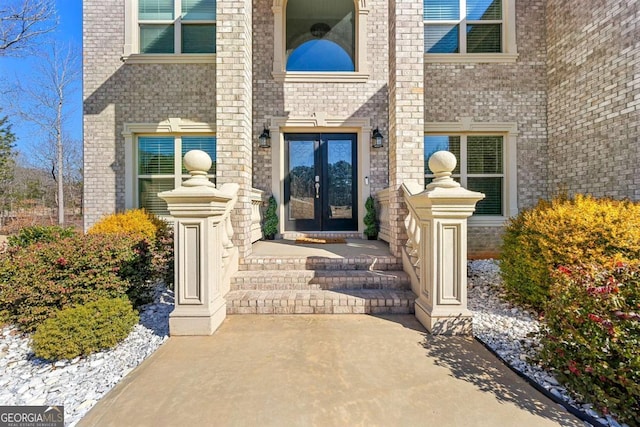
{"x":593,"y":335}
{"x":135,"y":223}
{"x":370,"y":222}
{"x":43,"y":278}
{"x":565,"y":232}
{"x":142,"y":225}
{"x":270,"y":226}
{"x":39,"y":234}
{"x":84,"y":329}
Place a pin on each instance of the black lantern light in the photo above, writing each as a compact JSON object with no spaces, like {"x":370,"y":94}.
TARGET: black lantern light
{"x":376,"y":139}
{"x":264,"y":140}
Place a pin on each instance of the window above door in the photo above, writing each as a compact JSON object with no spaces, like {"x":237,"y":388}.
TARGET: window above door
{"x":320,"y":41}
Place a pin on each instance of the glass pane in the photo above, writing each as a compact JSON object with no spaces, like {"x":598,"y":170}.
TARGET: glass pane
{"x":155,"y":10}
{"x":302,"y":179}
{"x":484,"y":9}
{"x":320,"y":35}
{"x":199,"y":38}
{"x":484,"y":38}
{"x":484,"y":154}
{"x":148,"y":189}
{"x":320,"y":55}
{"x":492,"y":188}
{"x":340,"y":179}
{"x":199,"y":10}
{"x":204,"y":143}
{"x":441,"y":38}
{"x":156,"y":39}
{"x":155,"y":155}
{"x":433,"y":143}
{"x":441,"y":10}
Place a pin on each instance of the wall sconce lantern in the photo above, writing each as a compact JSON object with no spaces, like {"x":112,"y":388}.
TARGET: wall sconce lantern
{"x":376,"y":139}
{"x":264,"y":140}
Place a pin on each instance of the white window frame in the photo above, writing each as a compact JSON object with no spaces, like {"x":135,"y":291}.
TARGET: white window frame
{"x":509,"y":131}
{"x":509,"y":46}
{"x":131,"y":50}
{"x":280,"y":73}
{"x":173,"y":127}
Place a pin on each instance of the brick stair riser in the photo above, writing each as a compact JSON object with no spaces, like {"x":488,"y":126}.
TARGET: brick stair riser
{"x":269,"y":265}
{"x":314,"y":282}
{"x":320,"y":310}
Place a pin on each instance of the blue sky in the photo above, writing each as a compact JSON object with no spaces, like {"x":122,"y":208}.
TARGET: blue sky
{"x":69,"y":30}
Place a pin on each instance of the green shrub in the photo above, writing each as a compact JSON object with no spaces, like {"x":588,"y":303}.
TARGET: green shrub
{"x":39,"y":234}
{"x":142,"y":225}
{"x":565,"y":232}
{"x":370,"y":222}
{"x":43,"y":278}
{"x":270,"y":226}
{"x":593,"y":335}
{"x":84,"y":329}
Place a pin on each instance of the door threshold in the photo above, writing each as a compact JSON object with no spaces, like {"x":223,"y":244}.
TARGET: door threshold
{"x":293,"y":235}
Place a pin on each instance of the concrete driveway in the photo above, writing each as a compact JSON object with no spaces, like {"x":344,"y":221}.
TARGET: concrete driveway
{"x":343,"y":370}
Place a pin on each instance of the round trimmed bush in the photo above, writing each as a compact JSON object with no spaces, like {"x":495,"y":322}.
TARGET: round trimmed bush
{"x":84,"y":329}
{"x":39,"y":280}
{"x":565,"y":232}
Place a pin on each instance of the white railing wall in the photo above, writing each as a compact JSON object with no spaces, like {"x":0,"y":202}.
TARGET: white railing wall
{"x":384,"y":233}
{"x":256,"y":214}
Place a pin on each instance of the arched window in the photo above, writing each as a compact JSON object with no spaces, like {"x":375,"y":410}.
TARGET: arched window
{"x":320,"y":35}
{"x":320,"y":40}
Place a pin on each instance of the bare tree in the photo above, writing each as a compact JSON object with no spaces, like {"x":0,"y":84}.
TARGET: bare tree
{"x":44,"y":102}
{"x":22,"y":21}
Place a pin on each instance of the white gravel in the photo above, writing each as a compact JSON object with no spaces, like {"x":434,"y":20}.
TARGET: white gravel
{"x":78,"y":384}
{"x":512,"y":332}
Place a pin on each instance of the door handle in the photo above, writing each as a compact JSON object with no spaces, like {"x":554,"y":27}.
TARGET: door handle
{"x":317,"y":190}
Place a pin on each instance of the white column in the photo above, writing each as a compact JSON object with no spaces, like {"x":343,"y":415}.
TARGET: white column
{"x":200,"y":213}
{"x":442,"y":211}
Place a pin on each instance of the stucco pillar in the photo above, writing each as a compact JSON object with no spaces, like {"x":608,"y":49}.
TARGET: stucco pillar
{"x":406,"y":110}
{"x":202,"y":250}
{"x":234,"y":68}
{"x":442,"y":211}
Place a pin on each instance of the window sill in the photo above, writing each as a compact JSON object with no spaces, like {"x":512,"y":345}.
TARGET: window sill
{"x":486,"y":221}
{"x":469,"y":58}
{"x":323,"y":77}
{"x":170,"y":58}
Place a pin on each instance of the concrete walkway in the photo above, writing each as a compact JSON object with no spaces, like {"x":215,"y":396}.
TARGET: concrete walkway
{"x":347,"y":370}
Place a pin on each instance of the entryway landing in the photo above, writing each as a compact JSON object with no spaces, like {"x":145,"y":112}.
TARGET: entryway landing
{"x":285,"y":277}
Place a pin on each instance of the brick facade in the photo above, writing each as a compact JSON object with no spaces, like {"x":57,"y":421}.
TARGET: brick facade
{"x":594,"y":97}
{"x":572,"y":92}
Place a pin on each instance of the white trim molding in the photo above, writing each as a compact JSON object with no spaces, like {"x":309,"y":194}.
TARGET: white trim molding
{"x":320,"y":122}
{"x":170,"y":58}
{"x":509,"y":130}
{"x":280,"y":73}
{"x":509,"y":52}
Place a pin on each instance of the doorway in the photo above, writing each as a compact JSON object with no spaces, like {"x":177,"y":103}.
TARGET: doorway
{"x":320,"y":187}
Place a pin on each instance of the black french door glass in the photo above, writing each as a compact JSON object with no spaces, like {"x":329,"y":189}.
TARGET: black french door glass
{"x":320,"y":187}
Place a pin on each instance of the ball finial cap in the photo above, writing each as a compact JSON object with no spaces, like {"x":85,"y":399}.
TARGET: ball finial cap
{"x":197,"y":160}
{"x":442,"y":161}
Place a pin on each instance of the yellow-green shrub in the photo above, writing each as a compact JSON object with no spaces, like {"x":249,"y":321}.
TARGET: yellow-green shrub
{"x":135,"y":223}
{"x":142,"y":225}
{"x":565,"y":232}
{"x":84,"y":329}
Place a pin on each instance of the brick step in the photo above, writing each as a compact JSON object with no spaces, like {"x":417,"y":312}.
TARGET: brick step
{"x":344,"y":301}
{"x":383,"y":263}
{"x":319,"y":279}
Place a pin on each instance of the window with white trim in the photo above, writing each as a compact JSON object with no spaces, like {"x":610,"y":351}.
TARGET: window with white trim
{"x":159,"y":166}
{"x":474,"y":28}
{"x":480,"y":167}
{"x":176,"y":26}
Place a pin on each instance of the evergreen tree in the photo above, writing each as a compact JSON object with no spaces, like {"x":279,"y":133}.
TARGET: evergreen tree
{"x":7,"y":165}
